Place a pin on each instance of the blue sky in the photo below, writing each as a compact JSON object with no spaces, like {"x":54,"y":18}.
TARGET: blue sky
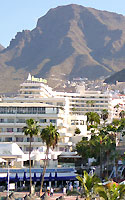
{"x":18,"y":15}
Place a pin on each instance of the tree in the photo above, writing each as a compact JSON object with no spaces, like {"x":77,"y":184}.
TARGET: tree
{"x":111,"y":191}
{"x":110,"y":145}
{"x":116,"y":122}
{"x":121,"y":127}
{"x":31,"y":130}
{"x":100,"y":146}
{"x":117,"y":108}
{"x":77,"y":131}
{"x":93,"y":118}
{"x":88,"y":182}
{"x":104,"y":115}
{"x":122,"y":114}
{"x":83,"y":149}
{"x":50,"y":137}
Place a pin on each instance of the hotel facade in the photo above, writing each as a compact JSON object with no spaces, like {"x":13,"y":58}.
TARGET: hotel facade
{"x":38,"y":101}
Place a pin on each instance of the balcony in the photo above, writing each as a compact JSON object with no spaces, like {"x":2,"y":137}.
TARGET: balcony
{"x":65,"y":144}
{"x":66,"y":134}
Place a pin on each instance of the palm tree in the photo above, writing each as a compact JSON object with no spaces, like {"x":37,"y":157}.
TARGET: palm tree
{"x":31,"y":130}
{"x":109,"y":147}
{"x":97,"y":141}
{"x":93,"y":117}
{"x":50,"y":137}
{"x":111,"y":192}
{"x":88,"y":182}
{"x":104,"y":115}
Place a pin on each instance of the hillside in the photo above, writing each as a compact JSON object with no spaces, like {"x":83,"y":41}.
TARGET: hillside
{"x":118,"y":76}
{"x":69,"y":41}
{"x":1,"y":47}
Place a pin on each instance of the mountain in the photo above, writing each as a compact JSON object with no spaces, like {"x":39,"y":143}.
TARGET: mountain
{"x":69,"y":41}
{"x":118,"y":76}
{"x":1,"y":47}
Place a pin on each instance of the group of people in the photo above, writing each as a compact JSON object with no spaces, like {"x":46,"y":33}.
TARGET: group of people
{"x":50,"y":191}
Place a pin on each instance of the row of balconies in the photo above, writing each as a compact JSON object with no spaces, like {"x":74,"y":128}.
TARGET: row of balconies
{"x":34,"y":116}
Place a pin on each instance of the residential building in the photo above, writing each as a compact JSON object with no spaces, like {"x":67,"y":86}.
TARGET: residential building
{"x":36,"y":100}
{"x":65,"y":110}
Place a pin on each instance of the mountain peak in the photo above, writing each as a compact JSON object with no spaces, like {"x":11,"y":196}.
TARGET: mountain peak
{"x":69,"y":41}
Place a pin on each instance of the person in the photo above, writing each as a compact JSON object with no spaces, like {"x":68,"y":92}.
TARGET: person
{"x":64,"y":190}
{"x":51,"y":191}
{"x":48,"y":190}
{"x":71,"y":187}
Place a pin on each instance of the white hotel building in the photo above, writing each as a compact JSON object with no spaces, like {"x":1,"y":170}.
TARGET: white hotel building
{"x":38,"y":101}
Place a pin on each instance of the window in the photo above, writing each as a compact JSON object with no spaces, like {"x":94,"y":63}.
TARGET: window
{"x":50,"y":103}
{"x":1,"y":120}
{"x":22,"y":110}
{"x":19,"y":129}
{"x":20,"y":121}
{"x":10,"y":130}
{"x":28,"y":139}
{"x":10,"y":120}
{"x":59,"y":103}
{"x":39,"y":139}
{"x":52,"y":120}
{"x":61,"y":148}
{"x":19,"y":139}
{"x":8,"y":139}
{"x":41,"y":110}
{"x":74,"y":122}
{"x":81,"y":122}
{"x":42,"y":120}
{"x":27,"y":149}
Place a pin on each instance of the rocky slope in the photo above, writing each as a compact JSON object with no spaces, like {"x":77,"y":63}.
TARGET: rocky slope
{"x":118,"y":76}
{"x":69,"y":41}
{"x":1,"y":47}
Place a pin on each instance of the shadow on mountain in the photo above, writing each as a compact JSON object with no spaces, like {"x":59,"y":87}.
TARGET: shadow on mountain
{"x":96,"y":34}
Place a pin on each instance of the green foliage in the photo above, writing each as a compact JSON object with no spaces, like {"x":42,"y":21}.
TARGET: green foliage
{"x":92,"y":186}
{"x":77,"y":131}
{"x":111,"y":192}
{"x":104,"y":141}
{"x":93,"y":118}
{"x":119,"y":125}
{"x":116,"y":106}
{"x":73,"y":193}
{"x":50,"y":136}
{"x":122,"y":114}
{"x":116,"y":122}
{"x":74,"y":109}
{"x":88,"y":182}
{"x":32,"y":128}
{"x":90,"y":102}
{"x":104,"y":114}
{"x":83,"y":148}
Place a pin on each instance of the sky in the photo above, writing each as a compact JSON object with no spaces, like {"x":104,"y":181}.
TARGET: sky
{"x":18,"y":15}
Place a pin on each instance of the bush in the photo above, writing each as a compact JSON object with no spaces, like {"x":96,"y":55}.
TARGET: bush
{"x":73,"y":193}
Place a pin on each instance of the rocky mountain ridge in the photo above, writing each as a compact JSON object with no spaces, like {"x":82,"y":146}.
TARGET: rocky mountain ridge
{"x":69,"y":41}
